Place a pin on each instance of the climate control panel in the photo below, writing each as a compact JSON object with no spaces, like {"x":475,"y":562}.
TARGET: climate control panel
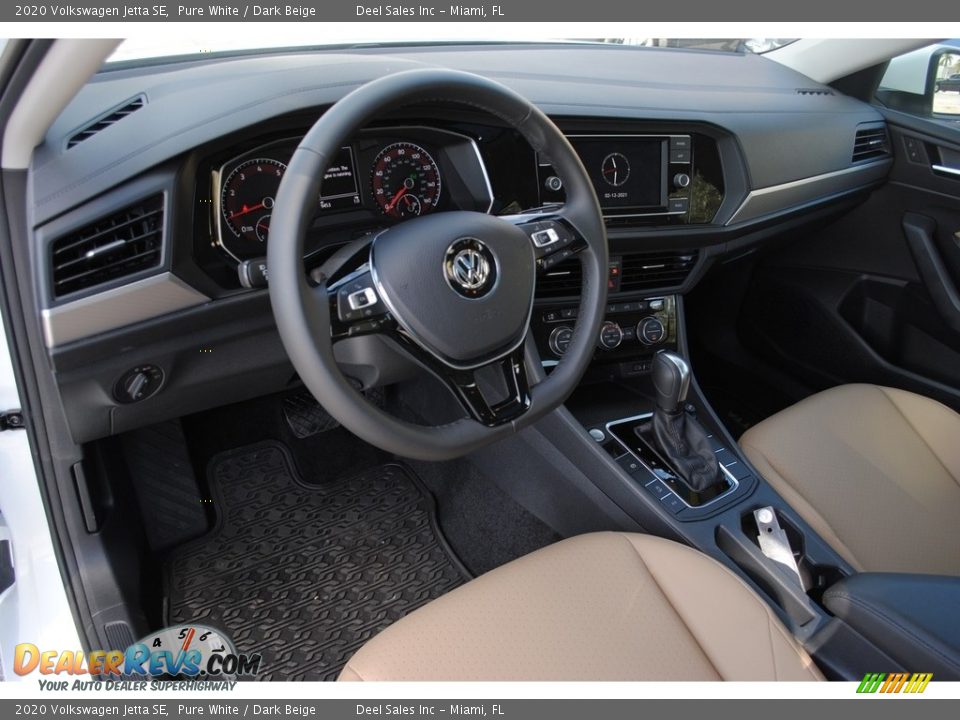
{"x":631,"y":332}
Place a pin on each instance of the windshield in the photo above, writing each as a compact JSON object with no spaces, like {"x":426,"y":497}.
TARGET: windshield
{"x":191,"y":46}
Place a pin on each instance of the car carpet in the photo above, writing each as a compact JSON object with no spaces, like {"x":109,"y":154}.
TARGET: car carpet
{"x":306,"y":573}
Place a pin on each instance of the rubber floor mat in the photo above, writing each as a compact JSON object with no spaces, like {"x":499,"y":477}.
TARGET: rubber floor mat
{"x":305,"y":574}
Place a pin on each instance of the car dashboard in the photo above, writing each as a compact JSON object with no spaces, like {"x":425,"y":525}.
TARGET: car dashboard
{"x":153,"y":192}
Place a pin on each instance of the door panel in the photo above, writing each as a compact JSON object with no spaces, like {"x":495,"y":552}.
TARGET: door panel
{"x":874,"y":297}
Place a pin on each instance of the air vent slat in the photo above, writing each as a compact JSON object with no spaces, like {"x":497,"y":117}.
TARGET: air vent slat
{"x":110,"y":232}
{"x":112,"y":248}
{"x":101,"y":253}
{"x":105,"y":121}
{"x":562,"y":281}
{"x":638,"y":272}
{"x":871,"y":143}
{"x":130,"y":261}
{"x":656,"y":270}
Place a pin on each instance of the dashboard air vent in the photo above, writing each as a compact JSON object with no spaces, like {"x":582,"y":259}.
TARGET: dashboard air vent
{"x":114,"y":247}
{"x":655,"y":270}
{"x":871,"y":143}
{"x":561,"y":281}
{"x":814,"y":91}
{"x":105,"y":121}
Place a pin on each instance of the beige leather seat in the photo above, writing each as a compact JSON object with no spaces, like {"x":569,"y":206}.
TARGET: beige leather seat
{"x":606,"y":606}
{"x":875,"y":471}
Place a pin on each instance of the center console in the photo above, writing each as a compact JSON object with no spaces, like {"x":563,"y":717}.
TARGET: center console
{"x":631,"y":333}
{"x":734,"y":516}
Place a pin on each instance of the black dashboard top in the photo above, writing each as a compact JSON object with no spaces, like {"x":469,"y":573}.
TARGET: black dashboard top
{"x":173,"y":168}
{"x":784,"y":135}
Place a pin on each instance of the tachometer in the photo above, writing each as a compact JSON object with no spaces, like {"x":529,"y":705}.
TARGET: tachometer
{"x":246,"y":200}
{"x":406,"y":180}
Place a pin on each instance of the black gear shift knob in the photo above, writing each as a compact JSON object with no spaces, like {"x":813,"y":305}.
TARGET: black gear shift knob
{"x":671,"y":380}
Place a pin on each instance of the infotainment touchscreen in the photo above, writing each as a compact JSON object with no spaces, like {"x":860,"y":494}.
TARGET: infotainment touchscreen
{"x":628,"y":173}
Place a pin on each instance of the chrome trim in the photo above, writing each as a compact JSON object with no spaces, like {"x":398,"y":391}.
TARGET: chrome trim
{"x":606,"y":324}
{"x":125,"y":305}
{"x":945,"y":169}
{"x":483,"y":170}
{"x":362,"y":298}
{"x":466,"y":264}
{"x":550,"y":234}
{"x":799,"y":192}
{"x":682,"y":367}
{"x":734,"y":483}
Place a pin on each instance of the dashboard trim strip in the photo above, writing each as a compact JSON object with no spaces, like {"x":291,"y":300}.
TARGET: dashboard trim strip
{"x":776,"y":198}
{"x":138,"y":301}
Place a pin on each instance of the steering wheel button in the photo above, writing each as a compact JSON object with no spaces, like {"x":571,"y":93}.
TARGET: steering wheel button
{"x":542,"y":238}
{"x":362,"y":298}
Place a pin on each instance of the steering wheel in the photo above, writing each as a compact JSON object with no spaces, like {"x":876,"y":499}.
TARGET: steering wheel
{"x":453,"y":290}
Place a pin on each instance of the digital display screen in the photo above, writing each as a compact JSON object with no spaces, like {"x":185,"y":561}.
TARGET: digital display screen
{"x":338,"y":189}
{"x":627,"y":173}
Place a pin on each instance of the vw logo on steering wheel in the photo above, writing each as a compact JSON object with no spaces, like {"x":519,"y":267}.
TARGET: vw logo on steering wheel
{"x":470,"y":268}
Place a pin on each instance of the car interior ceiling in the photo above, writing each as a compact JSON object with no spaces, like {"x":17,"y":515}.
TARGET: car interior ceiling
{"x":201,"y":478}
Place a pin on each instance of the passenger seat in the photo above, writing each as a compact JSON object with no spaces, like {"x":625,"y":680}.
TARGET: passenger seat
{"x":874,"y":470}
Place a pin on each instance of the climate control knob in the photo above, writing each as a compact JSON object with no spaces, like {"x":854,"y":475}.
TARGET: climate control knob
{"x":611,"y":335}
{"x":651,"y":331}
{"x":560,"y":339}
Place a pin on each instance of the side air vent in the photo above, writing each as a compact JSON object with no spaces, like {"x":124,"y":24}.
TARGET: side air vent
{"x":105,"y":121}
{"x":561,"y":281}
{"x":814,"y":91}
{"x":871,"y":143}
{"x":654,"y":270}
{"x":115,"y":247}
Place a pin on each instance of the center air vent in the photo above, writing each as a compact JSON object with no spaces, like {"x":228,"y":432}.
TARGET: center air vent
{"x":562,"y":281}
{"x":871,"y":143}
{"x":105,"y":121}
{"x":117,"y":246}
{"x":656,"y":270}
{"x":660,"y":270}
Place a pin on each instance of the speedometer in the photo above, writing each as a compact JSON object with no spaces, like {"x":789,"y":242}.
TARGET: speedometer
{"x":405,"y":180}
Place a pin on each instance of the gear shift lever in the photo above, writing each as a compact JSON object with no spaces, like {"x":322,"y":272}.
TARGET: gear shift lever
{"x":680,"y":438}
{"x":671,"y":380}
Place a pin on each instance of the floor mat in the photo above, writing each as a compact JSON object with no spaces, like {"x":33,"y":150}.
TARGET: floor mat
{"x":305,"y":574}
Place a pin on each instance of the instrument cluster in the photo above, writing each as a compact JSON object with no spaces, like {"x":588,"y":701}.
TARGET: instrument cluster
{"x":380,"y":177}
